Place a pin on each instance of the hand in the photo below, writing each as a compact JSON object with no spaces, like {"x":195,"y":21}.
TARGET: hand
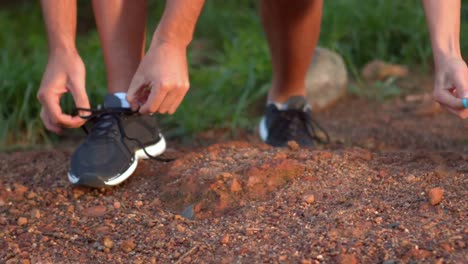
{"x":161,"y":81}
{"x":65,"y":72}
{"x":451,"y":84}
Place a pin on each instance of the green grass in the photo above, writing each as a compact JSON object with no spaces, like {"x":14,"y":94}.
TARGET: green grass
{"x":229,"y":73}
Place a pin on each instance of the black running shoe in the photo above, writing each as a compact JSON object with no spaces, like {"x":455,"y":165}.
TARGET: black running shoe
{"x":116,"y":139}
{"x":293,"y":122}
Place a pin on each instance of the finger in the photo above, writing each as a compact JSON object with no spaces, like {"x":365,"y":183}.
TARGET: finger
{"x":170,"y":99}
{"x":155,"y":99}
{"x":78,"y":91}
{"x":460,"y":82}
{"x":460,"y":113}
{"x":136,"y":85}
{"x":57,"y":117}
{"x":448,"y":99}
{"x":80,"y":97}
{"x":48,"y":124}
{"x":178,"y":101}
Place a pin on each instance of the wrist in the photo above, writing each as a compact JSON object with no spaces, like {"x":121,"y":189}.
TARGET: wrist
{"x":450,"y":50}
{"x":62,"y":48}
{"x":168,"y":41}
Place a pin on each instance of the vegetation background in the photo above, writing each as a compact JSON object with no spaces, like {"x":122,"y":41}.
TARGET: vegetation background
{"x":229,"y":62}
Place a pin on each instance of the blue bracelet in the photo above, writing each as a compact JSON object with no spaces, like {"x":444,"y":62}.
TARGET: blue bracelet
{"x":465,"y":102}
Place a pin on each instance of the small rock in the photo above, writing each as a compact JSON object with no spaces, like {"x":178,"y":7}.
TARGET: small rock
{"x":35,"y":213}
{"x":379,"y":220}
{"x":3,"y":220}
{"x":380,"y":70}
{"x":128,"y":245}
{"x":235,"y":186}
{"x":117,"y":205}
{"x":178,"y":217}
{"x":2,"y":202}
{"x":138,"y":204}
{"x":292,"y":145}
{"x":78,"y":192}
{"x":309,"y":198}
{"x":348,"y":259}
{"x":108,"y":243}
{"x":31,"y":195}
{"x":283,"y":258}
{"x":410,"y":178}
{"x":22,"y":221}
{"x":95,"y":211}
{"x":306,"y":261}
{"x":188,"y":212}
{"x":20,"y":189}
{"x":435,"y":195}
{"x":180,"y":228}
{"x":225,"y":239}
{"x":447,"y":247}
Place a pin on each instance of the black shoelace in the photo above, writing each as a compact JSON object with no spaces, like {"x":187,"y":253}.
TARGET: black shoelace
{"x":103,"y":124}
{"x":291,"y":122}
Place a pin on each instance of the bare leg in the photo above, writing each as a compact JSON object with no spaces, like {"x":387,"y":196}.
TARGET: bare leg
{"x":121,"y":25}
{"x":292,"y":29}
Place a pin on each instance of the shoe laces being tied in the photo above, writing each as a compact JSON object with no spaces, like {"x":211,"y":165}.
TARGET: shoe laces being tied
{"x":291,"y":124}
{"x":104,"y":118}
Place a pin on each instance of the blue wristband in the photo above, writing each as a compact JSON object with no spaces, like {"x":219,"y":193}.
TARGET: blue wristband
{"x":465,"y":102}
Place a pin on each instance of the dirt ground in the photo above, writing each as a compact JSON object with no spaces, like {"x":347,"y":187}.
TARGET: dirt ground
{"x":390,"y":188}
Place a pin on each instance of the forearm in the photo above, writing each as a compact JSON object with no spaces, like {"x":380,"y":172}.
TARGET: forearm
{"x":60,"y":21}
{"x":178,"y":22}
{"x":443,"y":19}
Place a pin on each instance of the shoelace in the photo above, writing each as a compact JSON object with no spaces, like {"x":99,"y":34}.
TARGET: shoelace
{"x":102,"y":128}
{"x":311,"y":125}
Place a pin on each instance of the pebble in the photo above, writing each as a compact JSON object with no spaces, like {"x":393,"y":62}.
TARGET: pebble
{"x":20,"y":189}
{"x":309,"y":198}
{"x":95,"y":211}
{"x":108,"y":243}
{"x":180,"y":228}
{"x":31,"y":195}
{"x":2,"y":202}
{"x":225,"y":239}
{"x":22,"y":221}
{"x":348,"y":259}
{"x":283,"y":258}
{"x":35,"y":213}
{"x":117,"y":205}
{"x":138,"y":204}
{"x":292,"y":145}
{"x":235,"y":186}
{"x":128,"y":245}
{"x":435,"y":195}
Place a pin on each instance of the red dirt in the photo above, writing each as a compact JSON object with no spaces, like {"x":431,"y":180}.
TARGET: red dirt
{"x":366,"y":198}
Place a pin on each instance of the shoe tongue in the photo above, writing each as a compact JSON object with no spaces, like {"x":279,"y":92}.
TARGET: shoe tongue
{"x":112,"y":101}
{"x":296,"y":103}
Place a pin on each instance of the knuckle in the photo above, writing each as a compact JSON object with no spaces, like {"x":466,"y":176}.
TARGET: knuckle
{"x":164,"y":87}
{"x":151,"y":109}
{"x":41,"y":95}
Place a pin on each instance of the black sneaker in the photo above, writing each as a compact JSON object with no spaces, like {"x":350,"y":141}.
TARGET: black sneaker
{"x":293,"y":122}
{"x":117,"y":138}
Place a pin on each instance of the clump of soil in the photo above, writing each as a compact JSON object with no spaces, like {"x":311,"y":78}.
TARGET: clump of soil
{"x":366,"y":198}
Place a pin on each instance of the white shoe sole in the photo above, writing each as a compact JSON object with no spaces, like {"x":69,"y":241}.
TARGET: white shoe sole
{"x":262,"y":130}
{"x":153,"y":150}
